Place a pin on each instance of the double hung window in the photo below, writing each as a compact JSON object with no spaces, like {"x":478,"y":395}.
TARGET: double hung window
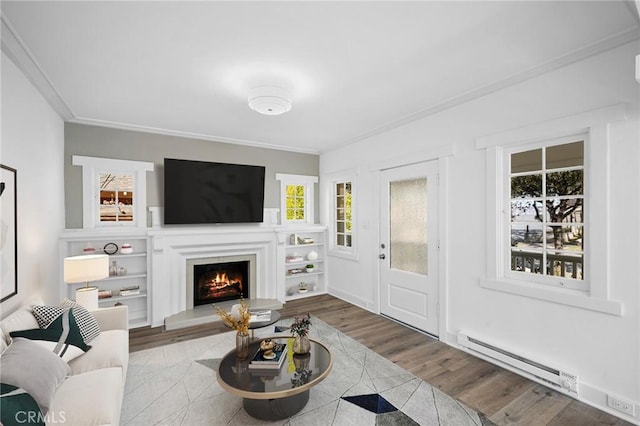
{"x":546,"y":227}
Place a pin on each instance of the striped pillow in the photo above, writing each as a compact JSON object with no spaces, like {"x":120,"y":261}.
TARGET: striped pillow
{"x":89,"y":328}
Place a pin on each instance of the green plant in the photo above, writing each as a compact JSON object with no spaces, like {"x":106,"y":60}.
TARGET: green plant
{"x":309,"y":266}
{"x":300,"y":325}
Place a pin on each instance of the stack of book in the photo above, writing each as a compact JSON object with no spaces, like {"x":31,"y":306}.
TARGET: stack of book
{"x":259,"y":362}
{"x":294,"y":259}
{"x":104,"y":294}
{"x":130,"y":291}
{"x":259,"y":315}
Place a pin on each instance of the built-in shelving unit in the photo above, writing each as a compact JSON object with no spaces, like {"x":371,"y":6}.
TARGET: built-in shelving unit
{"x":303,"y":246}
{"x":136,"y":264}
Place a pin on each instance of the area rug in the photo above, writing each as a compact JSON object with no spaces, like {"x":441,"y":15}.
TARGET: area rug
{"x":176,"y":385}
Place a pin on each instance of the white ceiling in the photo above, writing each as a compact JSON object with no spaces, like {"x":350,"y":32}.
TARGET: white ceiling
{"x":354,"y":68}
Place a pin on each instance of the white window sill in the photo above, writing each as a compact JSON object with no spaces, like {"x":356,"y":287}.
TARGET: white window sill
{"x":561,"y":296}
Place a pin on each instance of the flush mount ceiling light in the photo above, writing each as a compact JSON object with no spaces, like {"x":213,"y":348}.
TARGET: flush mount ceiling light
{"x":269,"y":100}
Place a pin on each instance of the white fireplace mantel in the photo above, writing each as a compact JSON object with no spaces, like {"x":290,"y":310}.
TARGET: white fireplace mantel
{"x":171,"y":248}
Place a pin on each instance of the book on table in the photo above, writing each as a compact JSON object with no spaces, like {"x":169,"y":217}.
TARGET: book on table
{"x":259,"y":315}
{"x":259,"y":362}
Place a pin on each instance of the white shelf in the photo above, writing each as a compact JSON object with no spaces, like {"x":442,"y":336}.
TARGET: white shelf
{"x":72,"y":242}
{"x":303,"y":295}
{"x":316,"y":279}
{"x":122,"y":277}
{"x":117,"y":298}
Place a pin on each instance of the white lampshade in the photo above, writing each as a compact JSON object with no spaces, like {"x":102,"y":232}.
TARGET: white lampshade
{"x":82,"y":269}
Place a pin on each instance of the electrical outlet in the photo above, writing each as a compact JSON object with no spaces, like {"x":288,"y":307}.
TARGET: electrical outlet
{"x":620,"y":405}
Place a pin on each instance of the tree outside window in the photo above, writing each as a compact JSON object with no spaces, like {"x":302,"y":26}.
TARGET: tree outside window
{"x":547,"y":211}
{"x":295,"y":202}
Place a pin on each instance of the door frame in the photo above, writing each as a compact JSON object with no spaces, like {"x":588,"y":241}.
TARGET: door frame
{"x":441,"y":155}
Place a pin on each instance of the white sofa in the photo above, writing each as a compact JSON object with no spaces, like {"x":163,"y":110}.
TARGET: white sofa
{"x":92,"y":394}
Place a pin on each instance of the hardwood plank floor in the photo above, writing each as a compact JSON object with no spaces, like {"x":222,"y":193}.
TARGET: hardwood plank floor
{"x":504,"y":397}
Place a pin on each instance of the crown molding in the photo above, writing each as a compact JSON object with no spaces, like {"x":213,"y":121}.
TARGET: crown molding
{"x":189,"y":135}
{"x":601,"y":46}
{"x":17,"y":51}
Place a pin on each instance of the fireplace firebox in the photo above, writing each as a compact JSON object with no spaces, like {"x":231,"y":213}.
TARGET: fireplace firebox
{"x":217,"y":282}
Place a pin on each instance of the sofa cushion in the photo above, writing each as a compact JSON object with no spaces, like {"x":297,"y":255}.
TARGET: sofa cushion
{"x":110,"y":349}
{"x":62,"y":337}
{"x":22,"y":319}
{"x":92,"y":398}
{"x":89,"y":327}
{"x":29,"y":366}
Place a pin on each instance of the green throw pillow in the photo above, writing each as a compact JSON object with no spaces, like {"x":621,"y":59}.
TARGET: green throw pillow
{"x":18,"y":408}
{"x":62,"y":336}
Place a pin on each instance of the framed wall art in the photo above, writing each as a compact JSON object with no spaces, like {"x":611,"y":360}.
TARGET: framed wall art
{"x":8,"y":233}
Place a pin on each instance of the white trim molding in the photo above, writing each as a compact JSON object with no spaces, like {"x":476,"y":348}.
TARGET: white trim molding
{"x":91,"y":166}
{"x":595,"y":125}
{"x":308,"y":182}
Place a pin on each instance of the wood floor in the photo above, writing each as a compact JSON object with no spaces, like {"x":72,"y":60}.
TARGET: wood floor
{"x":504,"y":397}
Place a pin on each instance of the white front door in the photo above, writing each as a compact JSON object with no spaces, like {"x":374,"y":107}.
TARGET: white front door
{"x":409,"y":245}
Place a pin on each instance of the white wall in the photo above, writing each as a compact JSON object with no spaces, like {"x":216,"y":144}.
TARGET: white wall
{"x":604,"y":350}
{"x":33,"y":144}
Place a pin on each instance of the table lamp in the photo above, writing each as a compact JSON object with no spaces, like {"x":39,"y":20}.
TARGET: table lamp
{"x":82,"y":269}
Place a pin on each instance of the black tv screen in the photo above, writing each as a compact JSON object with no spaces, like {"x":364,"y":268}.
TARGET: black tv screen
{"x":206,"y":192}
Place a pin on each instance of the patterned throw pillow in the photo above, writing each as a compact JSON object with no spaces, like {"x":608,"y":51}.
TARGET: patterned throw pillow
{"x":62,"y":336}
{"x":89,"y":328}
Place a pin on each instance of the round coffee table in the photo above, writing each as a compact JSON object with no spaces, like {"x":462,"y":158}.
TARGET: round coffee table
{"x":274,"y":394}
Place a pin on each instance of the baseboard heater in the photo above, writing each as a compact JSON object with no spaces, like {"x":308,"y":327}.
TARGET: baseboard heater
{"x":556,"y":379}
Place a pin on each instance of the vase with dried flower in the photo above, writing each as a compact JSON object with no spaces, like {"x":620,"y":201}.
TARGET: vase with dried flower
{"x":300,"y":330}
{"x":238,"y":319}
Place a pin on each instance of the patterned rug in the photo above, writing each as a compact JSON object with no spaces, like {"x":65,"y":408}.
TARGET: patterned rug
{"x":176,"y":385}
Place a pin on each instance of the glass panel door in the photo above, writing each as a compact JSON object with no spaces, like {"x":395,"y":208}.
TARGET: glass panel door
{"x":408,"y":225}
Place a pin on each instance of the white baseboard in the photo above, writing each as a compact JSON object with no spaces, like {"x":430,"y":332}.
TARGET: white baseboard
{"x":355,"y":300}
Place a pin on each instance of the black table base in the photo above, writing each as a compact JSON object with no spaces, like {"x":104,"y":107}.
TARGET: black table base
{"x":276,"y":409}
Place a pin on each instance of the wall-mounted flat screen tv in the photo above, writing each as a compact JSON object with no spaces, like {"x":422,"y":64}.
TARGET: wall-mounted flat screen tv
{"x":206,"y":192}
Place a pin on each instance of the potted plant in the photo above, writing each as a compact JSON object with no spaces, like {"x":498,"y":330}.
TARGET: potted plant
{"x":238,"y":319}
{"x":309,"y":267}
{"x":300,"y":330}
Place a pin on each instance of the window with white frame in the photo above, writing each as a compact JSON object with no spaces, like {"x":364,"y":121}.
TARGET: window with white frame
{"x":114,"y":192}
{"x":296,"y":198}
{"x":546,"y":197}
{"x":547,"y":192}
{"x":343,"y":220}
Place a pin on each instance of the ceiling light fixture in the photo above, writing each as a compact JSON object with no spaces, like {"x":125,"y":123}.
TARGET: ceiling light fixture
{"x":270,"y":100}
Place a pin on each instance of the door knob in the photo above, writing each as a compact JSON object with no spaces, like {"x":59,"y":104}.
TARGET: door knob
{"x":381,"y":256}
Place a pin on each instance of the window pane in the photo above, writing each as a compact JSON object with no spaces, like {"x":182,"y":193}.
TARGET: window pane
{"x":528,"y":161}
{"x":108,"y":213}
{"x":340,"y":202}
{"x":299,"y":214}
{"x":566,"y":155}
{"x":340,"y":214}
{"x":526,"y":211}
{"x":526,"y":262}
{"x":291,"y":190}
{"x":526,"y":237}
{"x":348,"y":244}
{"x":300,"y":191}
{"x":565,"y":266}
{"x":564,"y":183}
{"x":340,"y":189}
{"x":290,"y":214}
{"x":339,"y":226}
{"x":340,"y":239}
{"x":565,"y":210}
{"x":565,"y":238}
{"x":408,"y":225}
{"x":526,"y":186}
